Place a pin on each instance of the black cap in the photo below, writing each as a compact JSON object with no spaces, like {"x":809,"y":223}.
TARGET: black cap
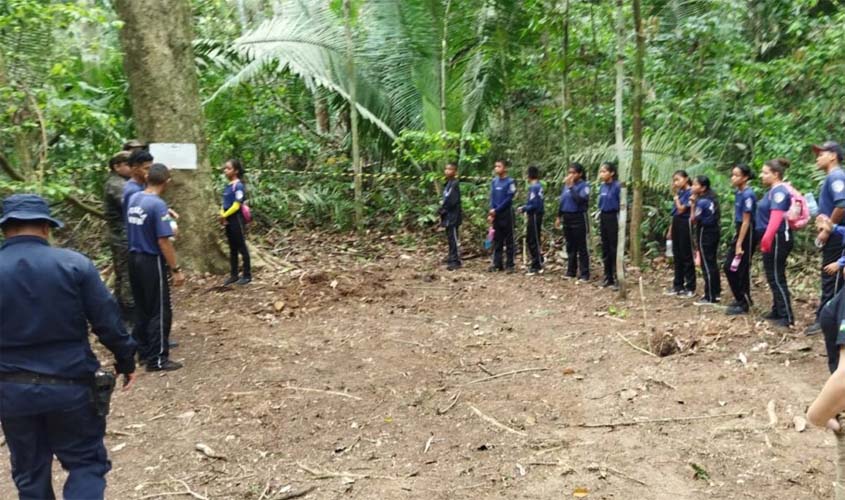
{"x":829,"y":146}
{"x":27,"y":207}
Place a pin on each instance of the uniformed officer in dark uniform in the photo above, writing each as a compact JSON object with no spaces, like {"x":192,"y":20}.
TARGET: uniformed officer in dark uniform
{"x":48,"y":297}
{"x":113,"y":213}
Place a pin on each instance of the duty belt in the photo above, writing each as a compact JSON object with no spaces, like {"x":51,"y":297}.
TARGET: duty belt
{"x":40,"y":379}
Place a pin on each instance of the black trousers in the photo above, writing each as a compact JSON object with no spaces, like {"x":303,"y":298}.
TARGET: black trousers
{"x":708,"y":245}
{"x":236,"y":236}
{"x":575,"y":232}
{"x":831,"y":251}
{"x":682,"y":250}
{"x":151,"y":290}
{"x":775,"y":264}
{"x":740,"y":280}
{"x":609,"y":229}
{"x":454,"y":248}
{"x":503,"y":239}
{"x":534,"y":221}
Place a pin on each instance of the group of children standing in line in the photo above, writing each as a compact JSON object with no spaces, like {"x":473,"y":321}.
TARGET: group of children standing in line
{"x":693,"y":235}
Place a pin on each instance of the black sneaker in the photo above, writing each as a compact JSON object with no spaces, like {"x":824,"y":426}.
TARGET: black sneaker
{"x":231,"y":281}
{"x":783,"y":322}
{"x":243,"y":281}
{"x":736,"y":303}
{"x":771,"y":316}
{"x":453,"y":267}
{"x":510,"y":270}
{"x":164,"y":366}
{"x":686,"y":294}
{"x":172,"y":343}
{"x":813,"y":329}
{"x":494,"y":269}
{"x":672,"y":292}
{"x":736,"y":310}
{"x":584,"y":279}
{"x":568,"y":276}
{"x":608,"y":283}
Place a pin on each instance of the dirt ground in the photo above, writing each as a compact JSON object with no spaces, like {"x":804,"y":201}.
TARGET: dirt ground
{"x":368,"y":371}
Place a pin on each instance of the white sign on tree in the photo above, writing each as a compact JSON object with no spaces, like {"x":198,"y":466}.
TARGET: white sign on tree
{"x":180,"y":156}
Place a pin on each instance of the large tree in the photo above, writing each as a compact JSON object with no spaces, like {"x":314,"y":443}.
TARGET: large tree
{"x":163,"y":89}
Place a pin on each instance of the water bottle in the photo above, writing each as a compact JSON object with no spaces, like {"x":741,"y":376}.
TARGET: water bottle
{"x":811,"y":204}
{"x":735,"y":263}
{"x":488,"y":243}
{"x":669,"y":253}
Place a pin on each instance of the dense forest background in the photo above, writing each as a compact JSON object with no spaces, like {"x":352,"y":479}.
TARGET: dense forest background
{"x":532,"y":81}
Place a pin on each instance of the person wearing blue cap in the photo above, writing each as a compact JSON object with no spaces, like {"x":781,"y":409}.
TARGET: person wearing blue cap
{"x":48,"y":373}
{"x":151,"y":256}
{"x":832,"y":207}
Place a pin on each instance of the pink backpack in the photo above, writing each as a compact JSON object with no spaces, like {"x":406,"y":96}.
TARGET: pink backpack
{"x":798,"y":214}
{"x":246,"y":212}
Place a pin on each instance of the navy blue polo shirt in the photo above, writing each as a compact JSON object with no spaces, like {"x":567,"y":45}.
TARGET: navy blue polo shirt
{"x":609,"y":193}
{"x":683,"y":197}
{"x":147,"y":220}
{"x":574,"y":199}
{"x":501,"y":194}
{"x":778,"y":198}
{"x":131,"y":187}
{"x":534,"y":205}
{"x":706,"y":213}
{"x":232,"y":193}
{"x":745,"y":202}
{"x":832,"y":194}
{"x":48,"y":297}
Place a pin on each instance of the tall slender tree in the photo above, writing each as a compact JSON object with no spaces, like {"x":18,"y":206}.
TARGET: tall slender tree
{"x":620,"y":145}
{"x":348,"y":19}
{"x":637,"y":157}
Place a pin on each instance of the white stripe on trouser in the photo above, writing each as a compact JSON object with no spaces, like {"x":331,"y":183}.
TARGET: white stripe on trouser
{"x":708,"y":290}
{"x":160,"y":313}
{"x":457,"y":243}
{"x":777,"y":283}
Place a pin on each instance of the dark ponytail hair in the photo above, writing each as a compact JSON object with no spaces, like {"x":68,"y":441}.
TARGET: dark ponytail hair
{"x":684,"y":174}
{"x":744,"y":169}
{"x":778,"y":166}
{"x":579,"y":169}
{"x":611,"y":167}
{"x":239,"y":168}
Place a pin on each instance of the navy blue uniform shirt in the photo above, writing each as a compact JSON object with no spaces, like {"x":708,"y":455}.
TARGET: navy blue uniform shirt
{"x":745,"y":202}
{"x":833,"y":192}
{"x":778,"y":198}
{"x":609,"y":193}
{"x":147,"y":220}
{"x":706,"y":213}
{"x":683,"y":197}
{"x":48,"y":297}
{"x":574,"y":199}
{"x":232,"y":193}
{"x":501,"y":194}
{"x":534,"y":204}
{"x":130,"y":188}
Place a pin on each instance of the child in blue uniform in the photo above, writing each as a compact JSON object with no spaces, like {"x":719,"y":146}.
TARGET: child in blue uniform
{"x":500,"y":215}
{"x":533,"y":210}
{"x":776,"y":240}
{"x":450,"y":214}
{"x":704,"y":208}
{"x":745,"y":206}
{"x":609,"y":193}
{"x":232,"y":218}
{"x":680,"y":233}
{"x":574,"y":198}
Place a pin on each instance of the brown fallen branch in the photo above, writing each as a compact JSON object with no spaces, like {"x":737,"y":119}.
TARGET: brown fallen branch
{"x":622,"y":474}
{"x":635,"y":346}
{"x":624,"y":423}
{"x":496,"y":423}
{"x":454,"y":401}
{"x":297,"y":494}
{"x":333,"y":393}
{"x":514,"y":372}
{"x":188,"y":491}
{"x":322,"y":474}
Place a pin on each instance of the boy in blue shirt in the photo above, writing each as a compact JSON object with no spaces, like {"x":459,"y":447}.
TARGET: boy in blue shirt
{"x":139,"y":164}
{"x":151,"y":255}
{"x":500,"y":215}
{"x":450,"y":214}
{"x":572,"y":212}
{"x":533,"y":210}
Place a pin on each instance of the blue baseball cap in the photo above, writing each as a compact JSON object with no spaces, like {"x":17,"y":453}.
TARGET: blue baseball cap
{"x":27,"y":207}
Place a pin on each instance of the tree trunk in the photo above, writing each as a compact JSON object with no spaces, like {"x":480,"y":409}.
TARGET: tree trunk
{"x":444,"y":54}
{"x":564,"y":87}
{"x":163,"y":89}
{"x":620,"y":147}
{"x":321,"y":112}
{"x":637,"y":157}
{"x":353,"y":115}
